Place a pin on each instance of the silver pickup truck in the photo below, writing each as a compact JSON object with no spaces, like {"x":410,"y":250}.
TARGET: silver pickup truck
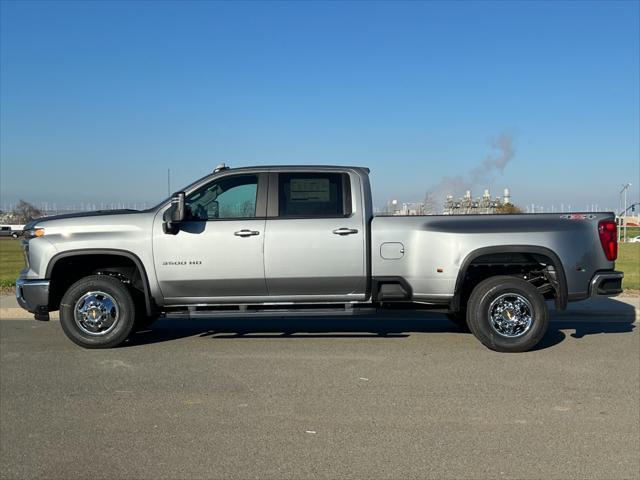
{"x":287,"y":239}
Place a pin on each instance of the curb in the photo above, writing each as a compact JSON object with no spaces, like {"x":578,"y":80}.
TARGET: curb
{"x":20,"y":314}
{"x":595,"y":313}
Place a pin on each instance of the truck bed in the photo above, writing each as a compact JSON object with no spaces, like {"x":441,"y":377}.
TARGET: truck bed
{"x":431,"y":252}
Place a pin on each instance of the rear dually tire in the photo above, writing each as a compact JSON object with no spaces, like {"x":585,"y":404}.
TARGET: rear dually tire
{"x":507,"y":314}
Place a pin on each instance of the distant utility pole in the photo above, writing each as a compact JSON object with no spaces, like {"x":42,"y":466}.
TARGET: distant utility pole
{"x":622,"y":214}
{"x":168,"y":182}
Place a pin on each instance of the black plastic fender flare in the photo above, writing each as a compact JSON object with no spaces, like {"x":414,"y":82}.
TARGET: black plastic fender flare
{"x":562,"y":297}
{"x":108,"y":251}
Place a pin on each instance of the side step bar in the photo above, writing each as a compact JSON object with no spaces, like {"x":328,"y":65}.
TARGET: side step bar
{"x":279,"y":311}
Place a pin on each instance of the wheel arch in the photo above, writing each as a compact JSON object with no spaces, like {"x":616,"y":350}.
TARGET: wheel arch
{"x":107,"y":252}
{"x":562,"y":289}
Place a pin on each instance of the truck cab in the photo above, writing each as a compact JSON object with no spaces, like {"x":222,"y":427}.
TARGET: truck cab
{"x":256,"y":235}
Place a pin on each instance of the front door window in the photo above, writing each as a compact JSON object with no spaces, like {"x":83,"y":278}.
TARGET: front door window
{"x":227,"y":198}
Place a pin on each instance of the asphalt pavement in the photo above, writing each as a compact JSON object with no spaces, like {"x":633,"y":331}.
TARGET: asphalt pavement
{"x":383,"y":396}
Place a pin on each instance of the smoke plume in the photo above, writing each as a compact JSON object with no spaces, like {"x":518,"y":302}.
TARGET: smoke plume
{"x":482,"y":175}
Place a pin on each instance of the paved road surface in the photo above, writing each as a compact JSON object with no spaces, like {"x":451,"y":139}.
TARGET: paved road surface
{"x":323,"y":398}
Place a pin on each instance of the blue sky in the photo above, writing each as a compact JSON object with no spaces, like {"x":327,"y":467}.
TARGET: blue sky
{"x":98,"y":99}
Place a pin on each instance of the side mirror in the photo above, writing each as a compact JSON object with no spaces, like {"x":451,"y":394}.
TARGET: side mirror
{"x":175,"y":214}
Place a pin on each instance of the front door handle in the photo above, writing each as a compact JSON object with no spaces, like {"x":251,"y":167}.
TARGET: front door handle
{"x":345,"y":231}
{"x":246,"y":233}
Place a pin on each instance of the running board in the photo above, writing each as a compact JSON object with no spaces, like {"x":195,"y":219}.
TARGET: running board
{"x":243,"y":311}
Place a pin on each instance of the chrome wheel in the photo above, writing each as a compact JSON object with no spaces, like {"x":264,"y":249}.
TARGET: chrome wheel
{"x":96,"y":313}
{"x":511,"y":315}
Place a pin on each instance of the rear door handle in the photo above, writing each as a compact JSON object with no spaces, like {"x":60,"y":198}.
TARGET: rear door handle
{"x":246,"y":233}
{"x":345,"y":231}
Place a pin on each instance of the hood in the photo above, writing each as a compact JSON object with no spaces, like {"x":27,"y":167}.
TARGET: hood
{"x":66,"y":216}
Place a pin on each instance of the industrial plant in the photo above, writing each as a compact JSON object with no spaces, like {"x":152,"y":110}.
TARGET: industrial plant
{"x":466,"y":205}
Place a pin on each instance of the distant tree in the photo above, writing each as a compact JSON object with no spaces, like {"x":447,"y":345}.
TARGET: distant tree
{"x":508,"y":208}
{"x":25,"y":212}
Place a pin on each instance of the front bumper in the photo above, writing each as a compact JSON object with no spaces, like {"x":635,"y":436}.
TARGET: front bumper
{"x":606,"y":284}
{"x":33,"y":295}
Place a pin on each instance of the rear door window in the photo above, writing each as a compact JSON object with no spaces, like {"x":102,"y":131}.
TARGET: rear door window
{"x":314,"y":195}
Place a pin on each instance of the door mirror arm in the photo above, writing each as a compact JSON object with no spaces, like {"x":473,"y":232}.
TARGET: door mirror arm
{"x":175,"y":214}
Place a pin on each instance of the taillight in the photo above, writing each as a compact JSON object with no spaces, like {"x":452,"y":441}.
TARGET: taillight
{"x":609,"y":238}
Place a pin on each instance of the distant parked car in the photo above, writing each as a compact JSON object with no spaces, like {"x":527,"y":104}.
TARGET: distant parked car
{"x":635,"y":239}
{"x":11,"y":230}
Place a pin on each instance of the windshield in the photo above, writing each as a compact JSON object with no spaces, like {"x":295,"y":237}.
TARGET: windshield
{"x":168,"y":199}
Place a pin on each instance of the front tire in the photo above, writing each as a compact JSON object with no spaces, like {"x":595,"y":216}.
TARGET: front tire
{"x":507,"y":314}
{"x":97,"y":312}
